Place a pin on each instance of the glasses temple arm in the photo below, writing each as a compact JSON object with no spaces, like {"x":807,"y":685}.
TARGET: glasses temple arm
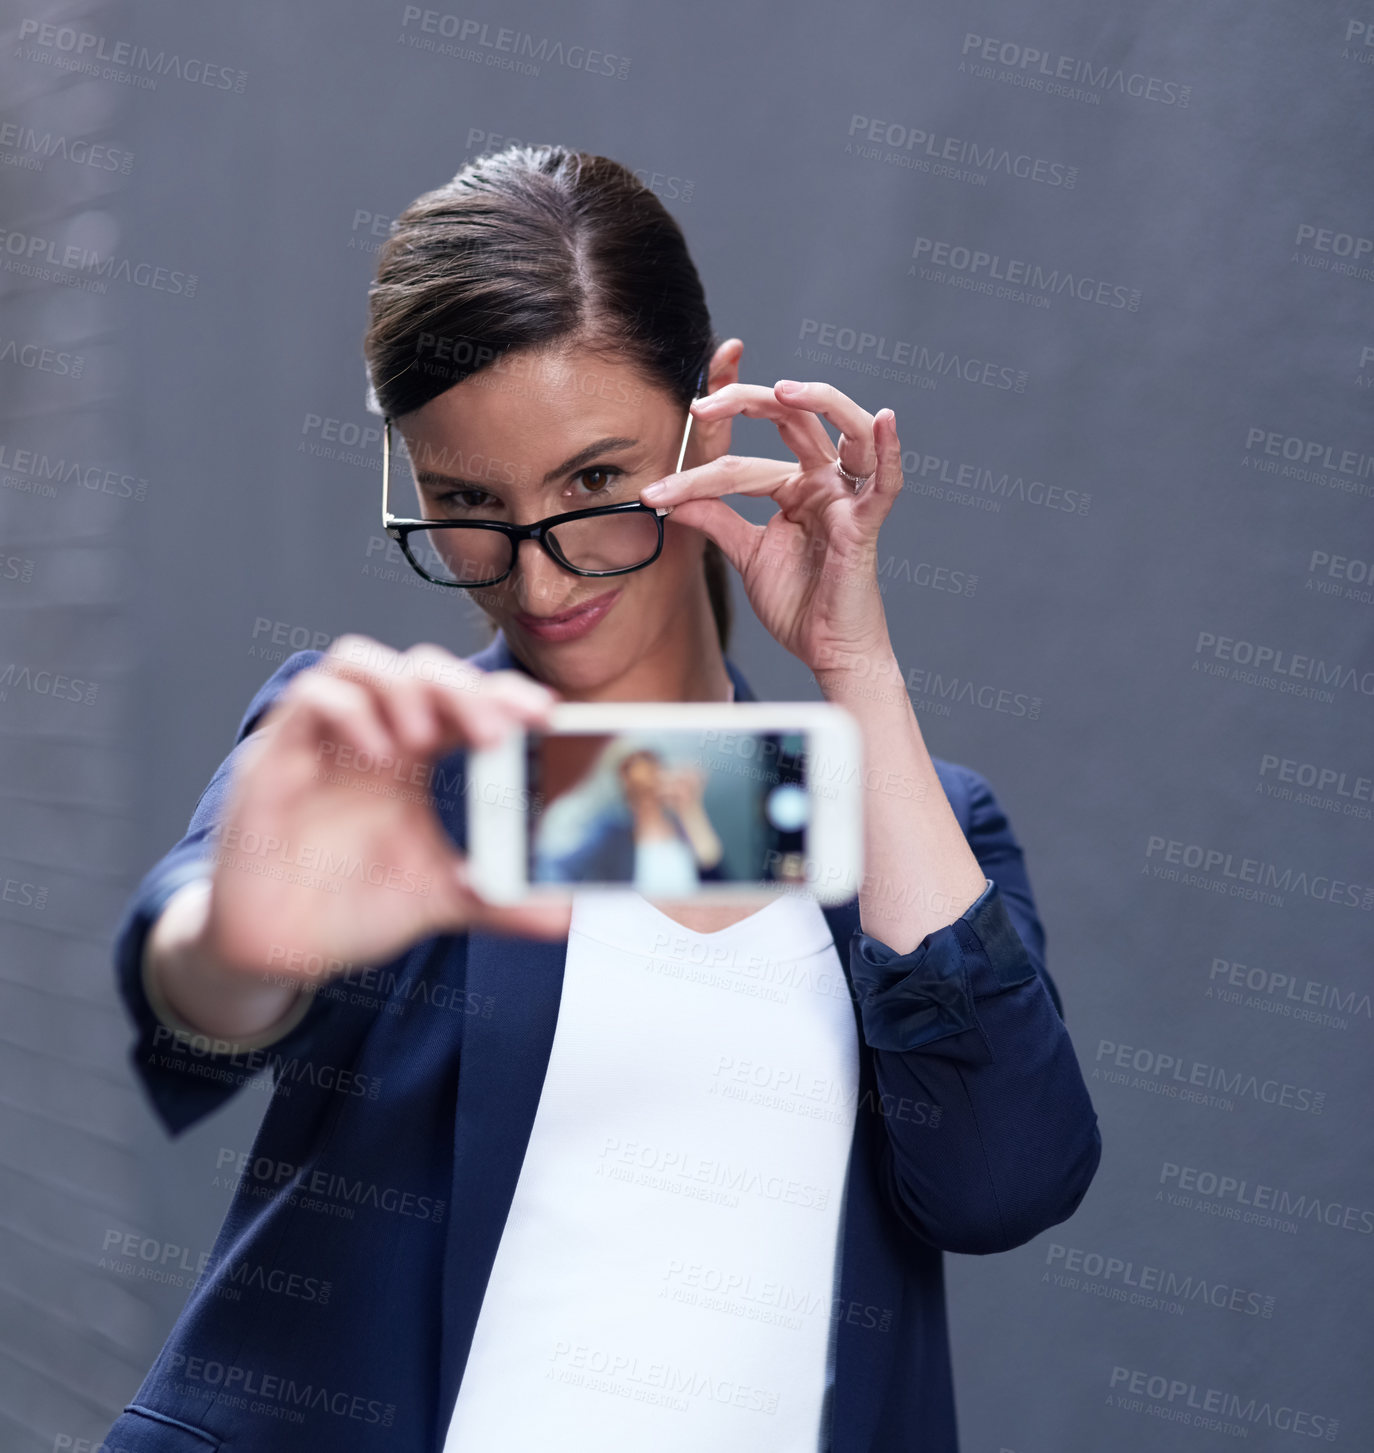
{"x":386,"y":472}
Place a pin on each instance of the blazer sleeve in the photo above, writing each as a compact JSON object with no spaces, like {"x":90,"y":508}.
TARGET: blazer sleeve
{"x":186,"y":1076}
{"x":971,"y":1024}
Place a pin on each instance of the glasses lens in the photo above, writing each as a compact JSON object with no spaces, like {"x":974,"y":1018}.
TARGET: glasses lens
{"x":461,"y":556}
{"x":466,"y":555}
{"x":607,"y":542}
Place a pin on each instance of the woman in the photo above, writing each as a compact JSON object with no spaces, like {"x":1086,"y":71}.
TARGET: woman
{"x":633,"y":819}
{"x":624,"y":1174}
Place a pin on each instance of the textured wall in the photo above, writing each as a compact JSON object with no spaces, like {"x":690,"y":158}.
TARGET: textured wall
{"x":1113,"y":268}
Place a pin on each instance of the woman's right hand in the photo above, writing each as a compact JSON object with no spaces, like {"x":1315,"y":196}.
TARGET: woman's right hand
{"x":683,"y":788}
{"x":330,"y":855}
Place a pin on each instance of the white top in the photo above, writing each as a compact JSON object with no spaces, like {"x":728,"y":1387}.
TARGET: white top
{"x":666,"y":1273}
{"x":665,"y":868}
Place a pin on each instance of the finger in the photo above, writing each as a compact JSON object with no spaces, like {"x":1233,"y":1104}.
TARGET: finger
{"x":504,"y":700}
{"x":726,"y":474}
{"x":801,"y":430}
{"x":435,"y":699}
{"x":404,"y":701}
{"x":479,"y":707}
{"x":856,"y":448}
{"x":535,"y":919}
{"x":737,"y":538}
{"x":549,"y":921}
{"x":320,"y":709}
{"x":876,"y":498}
{"x":437,"y":695}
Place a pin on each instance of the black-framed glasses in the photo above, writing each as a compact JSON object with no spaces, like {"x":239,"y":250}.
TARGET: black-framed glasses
{"x":468,"y":554}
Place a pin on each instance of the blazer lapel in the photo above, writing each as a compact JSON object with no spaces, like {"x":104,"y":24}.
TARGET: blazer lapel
{"x":501,"y":1071}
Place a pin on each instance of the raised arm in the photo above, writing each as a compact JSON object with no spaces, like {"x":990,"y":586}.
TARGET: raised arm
{"x":968,"y":1023}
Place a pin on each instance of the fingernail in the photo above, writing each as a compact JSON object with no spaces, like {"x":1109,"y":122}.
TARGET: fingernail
{"x":787,"y":383}
{"x":654,"y":491}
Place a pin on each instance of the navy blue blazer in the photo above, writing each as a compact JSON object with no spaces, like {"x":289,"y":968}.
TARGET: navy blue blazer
{"x":341,"y":1296}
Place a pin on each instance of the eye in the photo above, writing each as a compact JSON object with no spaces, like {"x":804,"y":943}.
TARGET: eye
{"x":608,"y":473}
{"x":462,"y":499}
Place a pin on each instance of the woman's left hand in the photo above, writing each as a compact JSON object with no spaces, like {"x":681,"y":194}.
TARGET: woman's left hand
{"x":811,"y":572}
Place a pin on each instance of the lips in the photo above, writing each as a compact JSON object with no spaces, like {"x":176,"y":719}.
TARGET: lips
{"x":566,"y":625}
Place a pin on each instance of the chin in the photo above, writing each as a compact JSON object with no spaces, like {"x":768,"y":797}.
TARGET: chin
{"x":580,"y":665}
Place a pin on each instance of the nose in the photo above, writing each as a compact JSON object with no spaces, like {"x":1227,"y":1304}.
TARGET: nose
{"x":540,"y":584}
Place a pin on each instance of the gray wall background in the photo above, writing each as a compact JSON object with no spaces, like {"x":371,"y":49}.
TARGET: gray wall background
{"x":1140,"y":532}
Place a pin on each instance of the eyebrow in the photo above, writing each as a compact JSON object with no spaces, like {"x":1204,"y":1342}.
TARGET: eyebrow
{"x":610,"y":445}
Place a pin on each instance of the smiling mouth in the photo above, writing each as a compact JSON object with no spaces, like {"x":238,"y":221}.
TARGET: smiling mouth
{"x":594,"y":607}
{"x":563,"y":615}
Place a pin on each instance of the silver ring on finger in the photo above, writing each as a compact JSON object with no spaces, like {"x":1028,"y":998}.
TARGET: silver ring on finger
{"x":857,"y":481}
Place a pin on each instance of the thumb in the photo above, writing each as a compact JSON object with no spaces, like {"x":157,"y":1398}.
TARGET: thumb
{"x":530,"y":919}
{"x":719,"y":522}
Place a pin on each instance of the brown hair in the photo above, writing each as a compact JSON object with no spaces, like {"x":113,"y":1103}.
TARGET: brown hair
{"x":538,"y":245}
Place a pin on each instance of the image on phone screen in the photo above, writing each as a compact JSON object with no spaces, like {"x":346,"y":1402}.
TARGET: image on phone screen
{"x":663,"y":811}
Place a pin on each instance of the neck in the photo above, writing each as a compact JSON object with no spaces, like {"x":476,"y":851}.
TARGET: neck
{"x":684,"y":663}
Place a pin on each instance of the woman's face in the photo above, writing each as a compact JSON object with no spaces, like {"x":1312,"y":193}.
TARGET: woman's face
{"x":641,"y":770}
{"x":544,"y":431}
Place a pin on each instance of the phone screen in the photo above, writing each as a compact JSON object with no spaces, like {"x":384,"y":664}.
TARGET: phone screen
{"x":664,"y":811}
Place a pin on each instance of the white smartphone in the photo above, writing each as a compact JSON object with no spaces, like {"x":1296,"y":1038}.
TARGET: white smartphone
{"x":714,"y":801}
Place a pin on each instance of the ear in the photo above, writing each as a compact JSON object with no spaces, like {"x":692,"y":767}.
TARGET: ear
{"x":724,"y":365}
{"x":711,"y":440}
